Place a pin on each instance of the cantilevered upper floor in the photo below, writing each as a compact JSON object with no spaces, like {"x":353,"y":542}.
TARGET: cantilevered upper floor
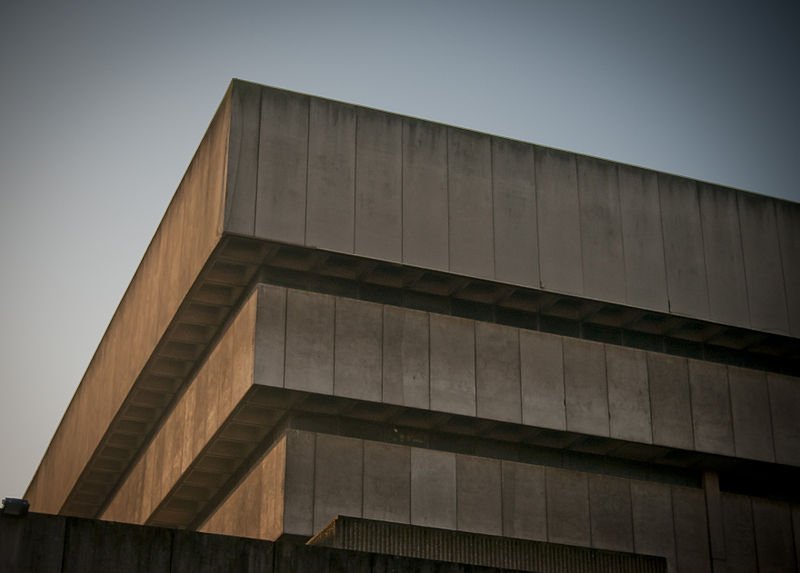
{"x":303,"y":192}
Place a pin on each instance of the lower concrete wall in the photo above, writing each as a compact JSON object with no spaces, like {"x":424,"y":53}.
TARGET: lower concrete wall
{"x":403,"y":484}
{"x":39,"y":543}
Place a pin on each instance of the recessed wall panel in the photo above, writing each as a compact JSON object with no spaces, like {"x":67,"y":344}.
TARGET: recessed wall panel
{"x":774,"y":538}
{"x":387,"y":482}
{"x":752,"y":427}
{"x":784,"y":397}
{"x":653,"y":526}
{"x":378,"y":209}
{"x":691,"y":529}
{"x":628,"y":394}
{"x":524,"y":501}
{"x":270,"y":346}
{"x":763,"y":266}
{"x":358,"y":348}
{"x":309,"y":342}
{"x":558,"y":221}
{"x":711,"y":414}
{"x":516,"y":241}
{"x":433,"y":488}
{"x":242,"y":170}
{"x":498,"y":372}
{"x":601,"y":230}
{"x":338,"y":474}
{"x":282,"y":167}
{"x":670,"y":401}
{"x":471,"y":222}
{"x":683,"y":247}
{"x":567,"y":507}
{"x":452,"y":359}
{"x":331,"y":176}
{"x":727,"y":291}
{"x":542,"y":372}
{"x":406,"y":357}
{"x":425,"y":206}
{"x":479,"y":495}
{"x":740,"y":547}
{"x":640,"y":212}
{"x":610,"y":512}
{"x":585,"y":390}
{"x":788,"y":215}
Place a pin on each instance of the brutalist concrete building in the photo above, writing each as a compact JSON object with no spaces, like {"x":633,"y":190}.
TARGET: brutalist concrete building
{"x":383,"y":334}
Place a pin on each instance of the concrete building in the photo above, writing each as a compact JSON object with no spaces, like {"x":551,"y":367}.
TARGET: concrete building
{"x":346,"y":312}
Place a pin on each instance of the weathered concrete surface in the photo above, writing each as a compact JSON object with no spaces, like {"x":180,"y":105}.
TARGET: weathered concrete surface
{"x":469,"y":493}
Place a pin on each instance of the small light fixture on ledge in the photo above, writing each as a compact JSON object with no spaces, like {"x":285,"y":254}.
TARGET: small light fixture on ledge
{"x":15,"y":507}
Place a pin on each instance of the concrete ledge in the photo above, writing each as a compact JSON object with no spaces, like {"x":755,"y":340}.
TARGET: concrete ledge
{"x":475,"y":549}
{"x":39,"y":543}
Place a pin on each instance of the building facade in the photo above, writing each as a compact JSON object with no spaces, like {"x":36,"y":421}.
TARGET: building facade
{"x":346,"y":312}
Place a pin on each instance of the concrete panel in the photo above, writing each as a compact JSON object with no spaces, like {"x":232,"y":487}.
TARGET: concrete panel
{"x":628,"y":394}
{"x":784,"y":398}
{"x":542,"y":372}
{"x":270,"y":345}
{"x":433,"y":488}
{"x":452,"y":365}
{"x":763,"y":266}
{"x":331,"y":176}
{"x":282,"y":167}
{"x":670,"y":401}
{"x":479,"y":495}
{"x":379,"y":172}
{"x":788,"y":215}
{"x":691,"y":529}
{"x":611,"y":513}
{"x":516,"y":241}
{"x":716,"y":531}
{"x":683,"y":247}
{"x":405,"y":357}
{"x":601,"y":230}
{"x":740,"y":545}
{"x":774,"y":538}
{"x":309,"y":342}
{"x":242,"y":171}
{"x":358,"y":346}
{"x":558,"y":221}
{"x":387,"y":482}
{"x":298,"y":516}
{"x":34,"y":544}
{"x":469,"y":159}
{"x":711,"y":411}
{"x":338,"y":474}
{"x":498,"y":372}
{"x":653,"y":530}
{"x":524,"y":501}
{"x":567,"y":507}
{"x":425,"y":208}
{"x":640,"y":212}
{"x":727,"y":291}
{"x":752,"y":426}
{"x":123,"y":548}
{"x":585,"y":390}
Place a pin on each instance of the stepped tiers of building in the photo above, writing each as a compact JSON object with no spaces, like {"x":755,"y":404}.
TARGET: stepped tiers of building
{"x":375,"y":333}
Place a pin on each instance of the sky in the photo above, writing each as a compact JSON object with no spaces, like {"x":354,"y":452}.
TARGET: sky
{"x":103,"y":103}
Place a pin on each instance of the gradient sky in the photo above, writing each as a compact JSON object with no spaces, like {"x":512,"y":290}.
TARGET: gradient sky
{"x":102,"y":104}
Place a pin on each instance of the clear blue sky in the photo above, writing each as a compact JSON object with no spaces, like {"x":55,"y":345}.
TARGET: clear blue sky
{"x":102,"y":104}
